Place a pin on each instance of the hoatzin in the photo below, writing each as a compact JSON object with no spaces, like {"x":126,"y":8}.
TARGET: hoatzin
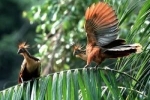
{"x":30,"y":67}
{"x":101,"y":30}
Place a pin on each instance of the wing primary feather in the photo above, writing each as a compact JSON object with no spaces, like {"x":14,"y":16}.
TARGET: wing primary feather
{"x":91,"y":10}
{"x":99,"y":11}
{"x":102,"y":13}
{"x":86,"y":14}
{"x":108,"y":29}
{"x":101,"y":24}
{"x":114,"y":23}
{"x":96,"y":8}
{"x":108,"y":20}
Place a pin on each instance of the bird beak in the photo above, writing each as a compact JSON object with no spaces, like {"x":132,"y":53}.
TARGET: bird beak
{"x":74,"y":53}
{"x":18,"y":52}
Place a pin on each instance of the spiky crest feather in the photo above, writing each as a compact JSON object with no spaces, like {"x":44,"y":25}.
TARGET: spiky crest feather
{"x":23,"y":45}
{"x":77,"y":47}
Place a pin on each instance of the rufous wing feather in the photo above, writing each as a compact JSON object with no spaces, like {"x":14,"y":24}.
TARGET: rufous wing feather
{"x":101,"y":24}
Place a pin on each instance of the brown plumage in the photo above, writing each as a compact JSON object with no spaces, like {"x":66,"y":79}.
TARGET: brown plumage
{"x":101,"y":30}
{"x":78,"y":51}
{"x":122,"y":50}
{"x":31,"y":66}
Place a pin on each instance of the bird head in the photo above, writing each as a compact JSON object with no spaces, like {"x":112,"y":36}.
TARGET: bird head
{"x":22,"y":47}
{"x":77,"y":49}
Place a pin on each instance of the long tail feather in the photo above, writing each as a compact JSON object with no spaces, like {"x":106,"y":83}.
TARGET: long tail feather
{"x":115,"y":43}
{"x":123,"y":50}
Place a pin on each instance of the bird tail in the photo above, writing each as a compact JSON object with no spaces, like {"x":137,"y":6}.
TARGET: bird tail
{"x":123,"y":50}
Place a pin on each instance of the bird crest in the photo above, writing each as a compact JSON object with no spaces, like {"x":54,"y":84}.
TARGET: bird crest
{"x":23,"y":45}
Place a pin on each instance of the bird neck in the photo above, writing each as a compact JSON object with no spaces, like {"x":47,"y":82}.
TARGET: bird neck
{"x":82,"y":56}
{"x":28,"y":56}
{"x":32,"y":62}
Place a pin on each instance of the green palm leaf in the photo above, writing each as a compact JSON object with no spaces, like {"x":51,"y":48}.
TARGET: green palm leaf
{"x":81,"y":84}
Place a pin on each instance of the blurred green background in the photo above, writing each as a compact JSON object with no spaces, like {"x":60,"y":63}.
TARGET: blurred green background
{"x":13,"y":29}
{"x":50,"y":27}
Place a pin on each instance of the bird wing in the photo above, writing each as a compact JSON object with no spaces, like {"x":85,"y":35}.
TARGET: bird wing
{"x":23,"y":65}
{"x":101,"y":24}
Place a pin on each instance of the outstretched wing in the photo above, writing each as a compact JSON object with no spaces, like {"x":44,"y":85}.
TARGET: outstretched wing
{"x":101,"y":24}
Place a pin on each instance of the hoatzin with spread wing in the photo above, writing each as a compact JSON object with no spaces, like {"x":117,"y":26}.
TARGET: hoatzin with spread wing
{"x":101,"y":30}
{"x":30,"y":67}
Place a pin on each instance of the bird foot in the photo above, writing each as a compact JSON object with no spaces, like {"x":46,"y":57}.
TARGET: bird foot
{"x":86,"y":66}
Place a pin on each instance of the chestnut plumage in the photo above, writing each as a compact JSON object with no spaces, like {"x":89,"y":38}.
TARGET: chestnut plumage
{"x":31,"y":66}
{"x":101,"y":27}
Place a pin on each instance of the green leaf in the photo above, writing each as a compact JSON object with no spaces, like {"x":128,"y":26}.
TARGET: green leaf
{"x":87,"y":84}
{"x":60,"y":81}
{"x":82,"y":87}
{"x":142,"y":15}
{"x":93,"y":83}
{"x":28,"y":91}
{"x":76,"y":85}
{"x":83,"y":84}
{"x":34,"y":90}
{"x":43,"y":87}
{"x":68,"y":94}
{"x":48,"y":94}
{"x":54,"y":84}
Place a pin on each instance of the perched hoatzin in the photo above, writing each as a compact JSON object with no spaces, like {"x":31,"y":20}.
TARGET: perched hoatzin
{"x":101,"y":30}
{"x":30,"y":67}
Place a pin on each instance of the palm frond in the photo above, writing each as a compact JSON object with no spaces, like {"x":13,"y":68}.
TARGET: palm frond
{"x":78,"y":84}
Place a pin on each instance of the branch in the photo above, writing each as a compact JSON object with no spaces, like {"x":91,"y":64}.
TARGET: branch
{"x":49,"y":68}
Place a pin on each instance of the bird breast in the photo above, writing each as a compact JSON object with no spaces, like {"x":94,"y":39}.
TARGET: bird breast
{"x":32,"y":65}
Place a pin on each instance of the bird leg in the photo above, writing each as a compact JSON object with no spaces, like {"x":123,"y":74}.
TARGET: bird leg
{"x":96,"y":67}
{"x":89,"y":60}
{"x":86,"y":66}
{"x":21,"y":79}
